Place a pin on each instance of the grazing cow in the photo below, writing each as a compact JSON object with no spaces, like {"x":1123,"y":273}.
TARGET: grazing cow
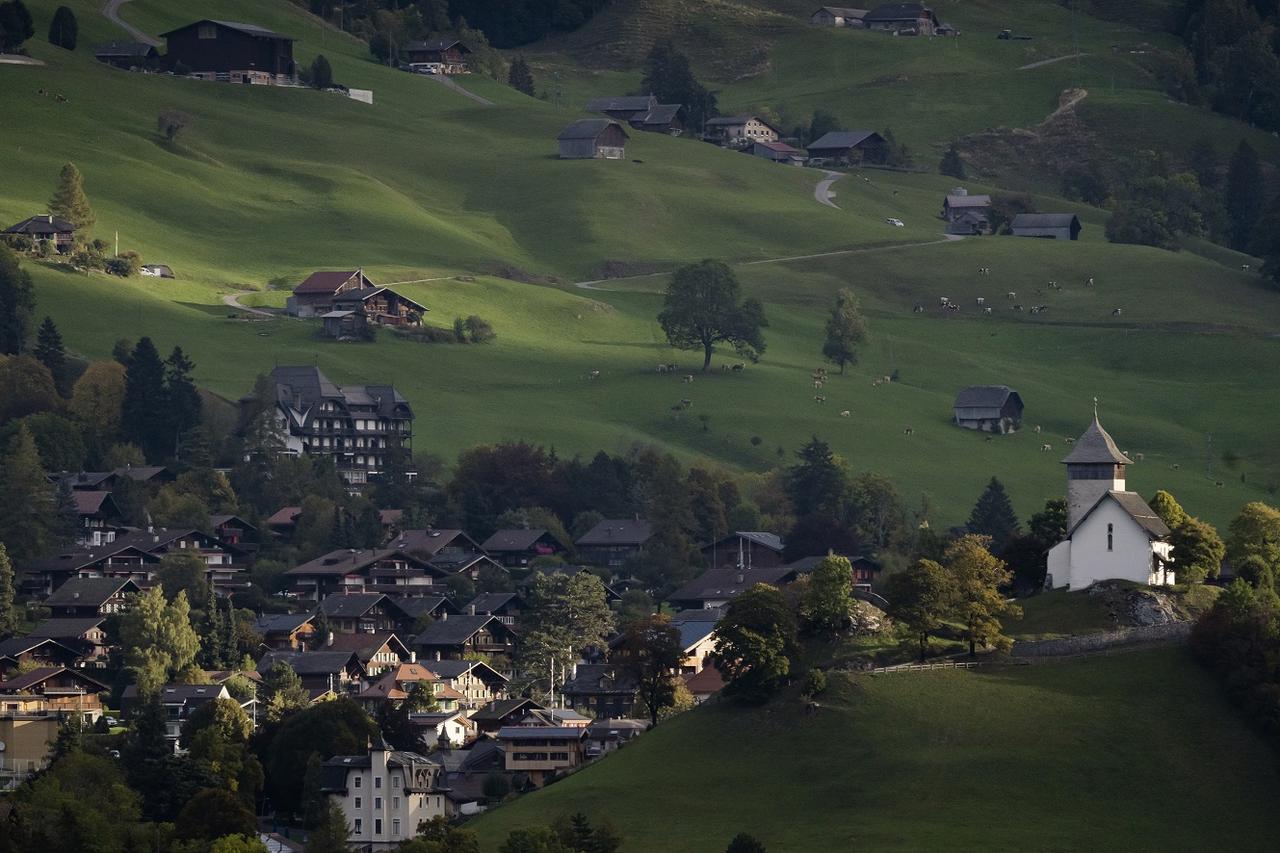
{"x":817,"y":384}
{"x":1017,"y":307}
{"x":818,"y":398}
{"x":595,"y":374}
{"x":875,"y":383}
{"x":846,"y":414}
{"x":1036,"y":430}
{"x":686,"y":403}
{"x":886,"y":379}
{"x":662,"y":368}
{"x":1069,"y":440}
{"x":1218,"y":484}
{"x":943,"y":302}
{"x":917,"y":309}
{"x":1243,"y":268}
{"x":1175,"y":466}
{"x":1116,"y":312}
{"x":1044,"y":448}
{"x":986,"y":310}
{"x":908,"y":431}
{"x":1089,"y":282}
{"x":981,"y":301}
{"x":688,"y":377}
{"x":1011,"y":295}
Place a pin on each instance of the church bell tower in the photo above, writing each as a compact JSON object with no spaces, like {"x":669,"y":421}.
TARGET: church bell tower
{"x":1094,"y":467}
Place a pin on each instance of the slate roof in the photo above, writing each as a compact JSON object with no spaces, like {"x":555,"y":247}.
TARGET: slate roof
{"x":491,"y":602}
{"x":724,"y":583}
{"x":345,"y":561}
{"x":89,"y":503}
{"x":588,"y":128}
{"x":351,"y":605}
{"x":779,"y":147}
{"x":247,"y":29}
{"x":500,"y":708}
{"x":772,"y":541}
{"x":366,"y":645}
{"x":621,"y":103}
{"x":429,"y":542}
{"x":896,"y":12}
{"x":43,"y":225}
{"x":124,"y":48}
{"x":436,"y":44}
{"x":454,"y":631}
{"x":661,"y":114}
{"x":36,"y":677}
{"x":67,"y":628}
{"x":618,"y":531}
{"x":599,"y":678}
{"x":15,"y":646}
{"x":284,"y":516}
{"x":1096,"y":447}
{"x":367,"y":293}
{"x":692,"y":633}
{"x":1043,"y":220}
{"x":416,"y":606}
{"x":968,"y":200}
{"x":1137,"y":509}
{"x":840,"y":139}
{"x":542,"y":733}
{"x":86,"y":592}
{"x":983,"y":401}
{"x":512,"y":540}
{"x":309,"y":663}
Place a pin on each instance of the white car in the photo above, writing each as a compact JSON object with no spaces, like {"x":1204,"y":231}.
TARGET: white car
{"x":896,"y":223}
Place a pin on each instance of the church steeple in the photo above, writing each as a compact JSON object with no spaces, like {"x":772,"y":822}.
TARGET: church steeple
{"x":1095,"y":466}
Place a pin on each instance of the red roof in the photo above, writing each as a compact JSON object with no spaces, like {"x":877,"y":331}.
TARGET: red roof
{"x":704,"y":682}
{"x":327,"y":281}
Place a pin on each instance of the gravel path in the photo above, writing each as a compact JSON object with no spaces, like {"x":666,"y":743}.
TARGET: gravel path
{"x":232,"y":300}
{"x":111,"y":10}
{"x":450,"y":83}
{"x":1045,"y":62}
{"x":822,"y":192}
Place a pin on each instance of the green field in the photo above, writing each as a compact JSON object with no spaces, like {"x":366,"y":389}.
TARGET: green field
{"x":424,"y":184}
{"x":1124,"y":753}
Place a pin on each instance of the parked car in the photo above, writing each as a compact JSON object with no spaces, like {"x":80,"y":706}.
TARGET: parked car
{"x":896,"y":223}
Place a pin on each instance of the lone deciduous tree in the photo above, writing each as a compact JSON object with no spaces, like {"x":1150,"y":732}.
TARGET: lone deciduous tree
{"x":653,"y":655}
{"x":846,"y":329}
{"x":920,"y":597}
{"x":171,"y":123}
{"x":978,"y":576}
{"x":704,"y":307}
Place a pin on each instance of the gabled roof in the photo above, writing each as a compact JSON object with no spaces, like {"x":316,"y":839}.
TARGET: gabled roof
{"x":416,"y":606}
{"x":89,"y":592}
{"x":67,"y":627}
{"x":436,"y":44}
{"x":897,"y":12}
{"x":364,"y":294}
{"x":954,"y":200}
{"x":39,"y":226}
{"x":1044,"y":220}
{"x":661,"y":114}
{"x":92,"y":503}
{"x":219,"y":520}
{"x":589,"y":128}
{"x":841,"y":11}
{"x":1096,"y":447}
{"x":451,"y":670}
{"x":345,"y":561}
{"x":503,"y":541}
{"x":15,"y":646}
{"x":729,"y":582}
{"x":840,"y":139}
{"x":984,"y":397}
{"x":491,"y":602}
{"x":731,"y":121}
{"x":36,"y":677}
{"x":618,"y":531}
{"x":1137,"y":509}
{"x":621,"y":103}
{"x":311,"y":663}
{"x":772,"y":541}
{"x":284,"y":516}
{"x":367,"y":645}
{"x":599,"y":678}
{"x":281,"y":623}
{"x":431,"y":541}
{"x":456,"y":630}
{"x":124,"y":48}
{"x":351,"y":605}
{"x":328,"y":281}
{"x":247,"y":29}
{"x":500,"y":708}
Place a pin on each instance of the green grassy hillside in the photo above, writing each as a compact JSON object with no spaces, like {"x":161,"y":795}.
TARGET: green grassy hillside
{"x":1132,"y":752}
{"x":425,"y":184}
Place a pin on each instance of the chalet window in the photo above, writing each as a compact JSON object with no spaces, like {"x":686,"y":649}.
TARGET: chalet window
{"x":1110,"y":530}
{"x":357,"y":830}
{"x":359,"y":779}
{"x":207,"y":31}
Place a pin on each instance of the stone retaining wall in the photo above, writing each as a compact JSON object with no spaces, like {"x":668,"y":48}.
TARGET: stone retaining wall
{"x":1169,"y":632}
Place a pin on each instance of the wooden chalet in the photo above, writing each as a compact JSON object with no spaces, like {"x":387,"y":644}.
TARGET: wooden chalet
{"x":717,"y":587}
{"x":60,"y":688}
{"x":613,"y":541}
{"x":593,"y":138}
{"x":100,"y":519}
{"x":966,"y":214}
{"x":517,"y":548}
{"x":377,"y":651}
{"x":838,"y":16}
{"x":505,"y":605}
{"x":444,"y":55}
{"x":371,"y":570}
{"x":127,"y":55}
{"x":230,"y":51}
{"x":453,"y":637}
{"x":988,"y":408}
{"x":904,"y":19}
{"x":320,"y":671}
{"x":600,"y":690}
{"x":60,"y":233}
{"x":739,"y":131}
{"x":503,"y":712}
{"x":86,"y":635}
{"x":317,"y":292}
{"x":290,"y":632}
{"x":848,"y":148}
{"x":1049,"y":226}
{"x":746,"y":548}
{"x":26,"y":652}
{"x":82,"y":598}
{"x":363,"y":613}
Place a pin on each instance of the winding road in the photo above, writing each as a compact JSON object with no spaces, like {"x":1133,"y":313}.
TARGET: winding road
{"x":449,"y":83}
{"x":111,"y":11}
{"x":1045,"y":62}
{"x":232,"y":300}
{"x":822,"y":192}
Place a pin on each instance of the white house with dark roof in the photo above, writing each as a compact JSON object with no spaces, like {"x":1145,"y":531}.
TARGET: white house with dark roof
{"x":385,"y":793}
{"x":1111,"y":533}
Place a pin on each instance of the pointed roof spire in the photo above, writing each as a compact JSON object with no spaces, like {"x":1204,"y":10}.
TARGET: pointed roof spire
{"x":1096,"y":447}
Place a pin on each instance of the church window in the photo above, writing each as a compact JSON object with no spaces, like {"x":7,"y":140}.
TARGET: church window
{"x":1110,"y":541}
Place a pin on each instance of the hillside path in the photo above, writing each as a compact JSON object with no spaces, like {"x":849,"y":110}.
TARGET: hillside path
{"x":232,"y":300}
{"x":111,"y":10}
{"x":822,"y":192}
{"x":448,"y":83}
{"x":594,"y":284}
{"x":1045,"y":62}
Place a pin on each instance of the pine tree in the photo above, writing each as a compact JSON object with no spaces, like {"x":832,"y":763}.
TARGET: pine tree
{"x":321,"y":72}
{"x":16,"y":25}
{"x":183,"y":406}
{"x":993,"y":515}
{"x":67,"y":518}
{"x":8,"y":614}
{"x":26,"y":499}
{"x":951,"y":165}
{"x":1244,"y":194}
{"x":845,"y":330}
{"x":17,"y":303}
{"x":69,"y":200}
{"x":520,"y":77}
{"x":64,"y":31}
{"x":50,"y":352}
{"x":142,"y":414}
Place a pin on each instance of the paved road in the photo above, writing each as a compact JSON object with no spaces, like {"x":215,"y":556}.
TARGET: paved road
{"x":1045,"y":62}
{"x":232,"y":300}
{"x":449,"y":83}
{"x":822,"y":192}
{"x":111,"y":9}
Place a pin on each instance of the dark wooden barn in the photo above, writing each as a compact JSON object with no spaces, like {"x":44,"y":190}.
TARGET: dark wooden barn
{"x":229,"y":51}
{"x":989,"y":408}
{"x":593,"y":138}
{"x":848,"y":147}
{"x":1050,"y":226}
{"x":127,"y":55}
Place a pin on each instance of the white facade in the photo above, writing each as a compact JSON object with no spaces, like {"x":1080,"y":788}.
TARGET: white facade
{"x":1109,"y":545}
{"x":386,"y":796}
{"x":1083,"y":494}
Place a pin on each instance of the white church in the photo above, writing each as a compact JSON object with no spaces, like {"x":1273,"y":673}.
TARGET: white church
{"x":1111,"y":533}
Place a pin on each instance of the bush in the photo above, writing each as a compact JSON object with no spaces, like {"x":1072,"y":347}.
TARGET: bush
{"x":171,"y":123}
{"x":124,"y":265}
{"x":479,"y":330}
{"x":815,"y":683}
{"x":460,"y":330}
{"x":321,"y":73}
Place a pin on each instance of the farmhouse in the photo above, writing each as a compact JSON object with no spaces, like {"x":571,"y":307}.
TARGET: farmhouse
{"x":371,"y":571}
{"x":778,"y":152}
{"x":126,"y":54}
{"x":290,"y":632}
{"x":100,"y":518}
{"x":966,"y":214}
{"x":516,"y":548}
{"x":341,"y":294}
{"x":623,"y":107}
{"x":228,"y":51}
{"x":848,"y":147}
{"x":60,"y":233}
{"x":1111,"y":533}
{"x":86,"y":635}
{"x":1050,"y":226}
{"x":593,"y":139}
{"x":612,"y":541}
{"x":455,"y":637}
{"x":664,"y":118}
{"x":363,"y":613}
{"x":354,"y":425}
{"x":838,"y":16}
{"x":21,"y":653}
{"x":442,"y":55}
{"x":748,"y":549}
{"x":317,"y":292}
{"x":735,"y":131}
{"x":989,"y":408}
{"x":907,"y":19}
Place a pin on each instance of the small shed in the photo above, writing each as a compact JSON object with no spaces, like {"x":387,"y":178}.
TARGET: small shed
{"x":1050,"y":226}
{"x":345,"y":325}
{"x":593,"y":139}
{"x":989,"y":408}
{"x":908,"y":19}
{"x":849,"y":147}
{"x":778,"y":152}
{"x":158,"y":270}
{"x":127,"y":54}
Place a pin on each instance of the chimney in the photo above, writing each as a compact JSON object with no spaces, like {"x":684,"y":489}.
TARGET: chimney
{"x":328,"y":641}
{"x":438,"y":655}
{"x":444,"y":615}
{"x":413,"y":657}
{"x":471,"y":610}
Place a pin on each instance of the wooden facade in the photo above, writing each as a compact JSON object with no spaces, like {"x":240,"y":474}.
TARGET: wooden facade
{"x":228,"y":51}
{"x":593,"y":139}
{"x":441,"y":56}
